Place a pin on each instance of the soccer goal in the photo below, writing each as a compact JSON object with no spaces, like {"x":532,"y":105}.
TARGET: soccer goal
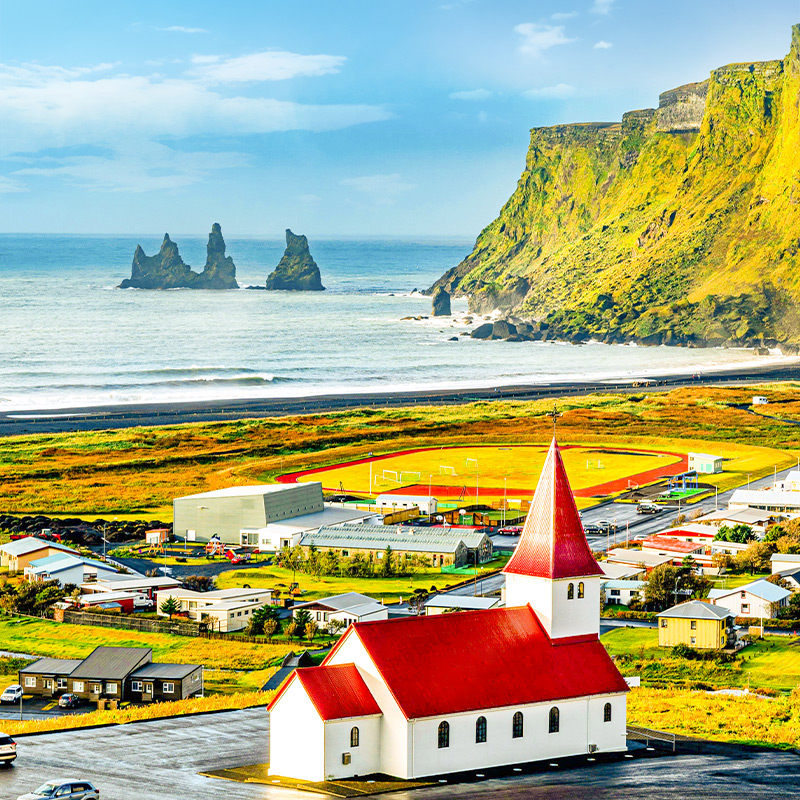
{"x":390,"y":475}
{"x":445,"y":470}
{"x":414,"y":476}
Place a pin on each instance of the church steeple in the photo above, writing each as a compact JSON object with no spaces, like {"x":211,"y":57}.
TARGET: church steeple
{"x":552,"y":567}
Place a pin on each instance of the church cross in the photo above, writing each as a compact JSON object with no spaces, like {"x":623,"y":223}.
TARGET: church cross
{"x":555,"y":415}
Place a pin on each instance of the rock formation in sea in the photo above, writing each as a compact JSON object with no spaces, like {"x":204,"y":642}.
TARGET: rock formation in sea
{"x":297,"y":270}
{"x":677,"y":225}
{"x":167,"y":270}
{"x":440,"y":303}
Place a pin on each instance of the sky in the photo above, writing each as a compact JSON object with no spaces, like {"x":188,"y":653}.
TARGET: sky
{"x":405,"y":118}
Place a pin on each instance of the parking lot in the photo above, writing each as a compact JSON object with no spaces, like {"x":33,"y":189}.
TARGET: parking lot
{"x":160,"y":760}
{"x":40,"y":708}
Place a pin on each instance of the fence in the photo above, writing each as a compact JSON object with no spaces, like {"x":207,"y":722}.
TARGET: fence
{"x":650,"y":736}
{"x":134,"y":623}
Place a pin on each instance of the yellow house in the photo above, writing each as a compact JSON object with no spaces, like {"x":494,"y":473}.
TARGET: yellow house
{"x":697,"y":624}
{"x":18,"y":554}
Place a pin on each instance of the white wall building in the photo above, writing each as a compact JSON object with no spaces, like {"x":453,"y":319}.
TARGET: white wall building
{"x":397,"y":502}
{"x":431,"y":695}
{"x":705,"y":463}
{"x":67,"y":569}
{"x":622,"y":592}
{"x":228,"y":609}
{"x":347,"y":608}
{"x":757,"y":599}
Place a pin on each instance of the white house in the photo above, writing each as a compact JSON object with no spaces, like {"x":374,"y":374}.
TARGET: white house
{"x":226,"y":609}
{"x":704,"y":462}
{"x":348,"y":608}
{"x":757,"y":599}
{"x":431,"y":695}
{"x":622,"y":592}
{"x":67,"y":569}
{"x":783,"y":561}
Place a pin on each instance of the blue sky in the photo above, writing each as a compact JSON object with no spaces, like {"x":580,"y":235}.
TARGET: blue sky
{"x":355,"y":117}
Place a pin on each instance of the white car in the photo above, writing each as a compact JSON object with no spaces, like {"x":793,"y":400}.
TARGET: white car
{"x":64,"y":790}
{"x":12,"y":694}
{"x":8,"y":749}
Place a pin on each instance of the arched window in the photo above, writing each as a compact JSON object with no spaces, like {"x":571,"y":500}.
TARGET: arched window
{"x":353,"y":737}
{"x":553,"y":720}
{"x":580,"y":590}
{"x":571,"y":591}
{"x":444,"y":734}
{"x":607,"y":712}
{"x":516,"y":728}
{"x":480,"y":730}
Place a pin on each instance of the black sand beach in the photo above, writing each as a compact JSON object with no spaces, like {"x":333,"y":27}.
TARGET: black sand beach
{"x":14,"y":423}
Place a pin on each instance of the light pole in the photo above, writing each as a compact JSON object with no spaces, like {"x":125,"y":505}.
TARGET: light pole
{"x":716,"y":498}
{"x":505,"y":500}
{"x":748,"y":480}
{"x":477,"y":487}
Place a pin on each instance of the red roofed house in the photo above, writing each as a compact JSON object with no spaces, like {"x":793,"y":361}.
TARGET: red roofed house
{"x":678,"y":549}
{"x":430,"y":695}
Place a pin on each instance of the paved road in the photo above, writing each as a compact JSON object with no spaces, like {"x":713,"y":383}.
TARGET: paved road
{"x":160,"y":761}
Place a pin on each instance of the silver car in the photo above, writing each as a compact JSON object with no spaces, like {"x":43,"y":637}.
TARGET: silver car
{"x":64,"y":790}
{"x":8,"y":749}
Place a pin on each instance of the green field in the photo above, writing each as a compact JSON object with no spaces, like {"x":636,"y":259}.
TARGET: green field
{"x":769,"y":663}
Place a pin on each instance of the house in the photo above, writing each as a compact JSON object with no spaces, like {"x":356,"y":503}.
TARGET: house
{"x":678,"y":550}
{"x":67,"y":569}
{"x":697,"y":624}
{"x":124,"y":601}
{"x":637,"y":559}
{"x":783,"y":561}
{"x":692,"y":532}
{"x":775,"y":499}
{"x":430,"y":695}
{"x":791,"y":576}
{"x":112,"y":673}
{"x":757,"y":519}
{"x":347,"y":608}
{"x":391,"y":502}
{"x":226,"y":610}
{"x":458,"y":547}
{"x":757,"y":599}
{"x":18,"y":554}
{"x":440,"y":603}
{"x":615,"y":571}
{"x":703,"y":462}
{"x":120,"y":582}
{"x":621,"y":592}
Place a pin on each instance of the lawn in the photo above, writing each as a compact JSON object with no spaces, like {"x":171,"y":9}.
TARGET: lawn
{"x":59,"y":640}
{"x":771,"y":663}
{"x":387,"y":589}
{"x":731,"y":581}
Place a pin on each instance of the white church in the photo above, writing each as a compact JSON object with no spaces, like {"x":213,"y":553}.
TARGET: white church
{"x":432,"y":695}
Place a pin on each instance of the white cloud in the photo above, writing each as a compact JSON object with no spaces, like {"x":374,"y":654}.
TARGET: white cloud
{"x":270,"y":65}
{"x":9,"y":186}
{"x":182,"y":29}
{"x":603,"y":45}
{"x":380,"y":189}
{"x":557,"y":92}
{"x":471,"y":94}
{"x":537,"y":38}
{"x":601,"y":7}
{"x":559,"y":15}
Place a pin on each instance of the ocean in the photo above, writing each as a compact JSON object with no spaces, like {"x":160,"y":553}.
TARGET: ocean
{"x":69,"y":338}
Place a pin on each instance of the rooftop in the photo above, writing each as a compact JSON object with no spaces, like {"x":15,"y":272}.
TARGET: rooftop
{"x":378,"y":537}
{"x":52,"y":666}
{"x":30,"y":544}
{"x":350,"y":601}
{"x":789,"y":557}
{"x":671,"y":545}
{"x":461,"y":601}
{"x":624,"y":555}
{"x":250,"y":491}
{"x":761,"y":588}
{"x":333,"y":515}
{"x":112,"y":662}
{"x":165,"y":671}
{"x":696,"y":609}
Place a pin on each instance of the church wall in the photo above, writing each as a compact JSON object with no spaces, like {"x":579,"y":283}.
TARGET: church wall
{"x":297,"y":737}
{"x":608,"y":736}
{"x":395,"y":730}
{"x":364,"y":759}
{"x":577,"y":718}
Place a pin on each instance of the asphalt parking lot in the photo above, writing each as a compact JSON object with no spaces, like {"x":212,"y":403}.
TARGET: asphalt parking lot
{"x":160,"y":761}
{"x":40,"y":708}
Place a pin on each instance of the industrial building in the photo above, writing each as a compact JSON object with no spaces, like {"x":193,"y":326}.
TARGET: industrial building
{"x":250,"y":515}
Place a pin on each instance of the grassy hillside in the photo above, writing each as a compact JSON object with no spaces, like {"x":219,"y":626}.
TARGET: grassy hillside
{"x":678,"y":225}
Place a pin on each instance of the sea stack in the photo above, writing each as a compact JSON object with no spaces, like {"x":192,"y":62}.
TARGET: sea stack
{"x":167,"y":270}
{"x":297,"y":270}
{"x":441,"y":302}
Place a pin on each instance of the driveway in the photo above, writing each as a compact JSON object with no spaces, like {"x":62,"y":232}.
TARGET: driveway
{"x":160,"y":761}
{"x":40,"y":708}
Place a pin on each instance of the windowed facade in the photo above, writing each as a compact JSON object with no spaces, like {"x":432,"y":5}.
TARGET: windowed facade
{"x":353,"y":737}
{"x":580,"y":590}
{"x":480,"y":730}
{"x":168,"y":688}
{"x":517,"y":729}
{"x":30,"y":680}
{"x":136,"y":686}
{"x":694,"y":624}
{"x":571,"y":592}
{"x":553,"y":727}
{"x":444,"y":734}
{"x":607,"y":712}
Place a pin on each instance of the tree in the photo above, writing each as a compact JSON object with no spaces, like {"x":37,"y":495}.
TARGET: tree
{"x":302,"y":617}
{"x":740,"y":534}
{"x":257,"y":620}
{"x":335,"y":626}
{"x":688,"y":564}
{"x":723,"y":561}
{"x":291,"y":629}
{"x":270,"y":628}
{"x":311,"y":630}
{"x":330,"y":563}
{"x":199,"y":583}
{"x":756,"y":558}
{"x":170,"y":606}
{"x":387,"y":564}
{"x":660,"y":587}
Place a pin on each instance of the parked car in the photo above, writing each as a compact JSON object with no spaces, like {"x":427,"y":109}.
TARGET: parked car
{"x":648,"y":508}
{"x":8,"y":749}
{"x":64,"y":790}
{"x":12,"y":694}
{"x":606,"y":526}
{"x":69,"y":700}
{"x":142,"y":601}
{"x":590,"y":529}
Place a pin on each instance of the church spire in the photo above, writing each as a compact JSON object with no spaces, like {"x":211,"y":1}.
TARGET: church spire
{"x":553,"y":544}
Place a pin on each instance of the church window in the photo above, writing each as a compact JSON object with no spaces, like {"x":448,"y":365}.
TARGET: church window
{"x":580,"y":590}
{"x":607,"y":712}
{"x":444,"y":734}
{"x":516,"y":728}
{"x":553,"y":728}
{"x":571,"y":591}
{"x":480,"y":730}
{"x":354,"y":737}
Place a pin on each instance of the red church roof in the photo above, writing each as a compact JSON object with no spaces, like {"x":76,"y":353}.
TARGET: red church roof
{"x":449,"y":663}
{"x":553,"y":544}
{"x":337,"y":692}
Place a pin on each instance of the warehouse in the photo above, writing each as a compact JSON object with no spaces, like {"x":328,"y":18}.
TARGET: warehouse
{"x":443,"y":546}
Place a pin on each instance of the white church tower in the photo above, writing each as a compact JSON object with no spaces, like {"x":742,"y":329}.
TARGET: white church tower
{"x":552,"y":568}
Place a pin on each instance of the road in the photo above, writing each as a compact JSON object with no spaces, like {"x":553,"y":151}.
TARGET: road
{"x":160,"y":760}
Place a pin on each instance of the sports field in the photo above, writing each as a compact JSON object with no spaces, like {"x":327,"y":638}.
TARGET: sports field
{"x":492,"y":471}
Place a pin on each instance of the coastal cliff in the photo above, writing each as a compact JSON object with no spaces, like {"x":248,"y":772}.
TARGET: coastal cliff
{"x":167,"y":270}
{"x":677,"y":225}
{"x":297,"y":270}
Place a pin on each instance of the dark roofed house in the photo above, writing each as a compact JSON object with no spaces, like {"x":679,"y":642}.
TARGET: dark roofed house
{"x":47,"y":676}
{"x":106,"y":672}
{"x":154,"y":682}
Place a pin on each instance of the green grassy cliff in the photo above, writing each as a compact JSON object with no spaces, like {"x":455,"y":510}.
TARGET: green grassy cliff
{"x":678,"y":225}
